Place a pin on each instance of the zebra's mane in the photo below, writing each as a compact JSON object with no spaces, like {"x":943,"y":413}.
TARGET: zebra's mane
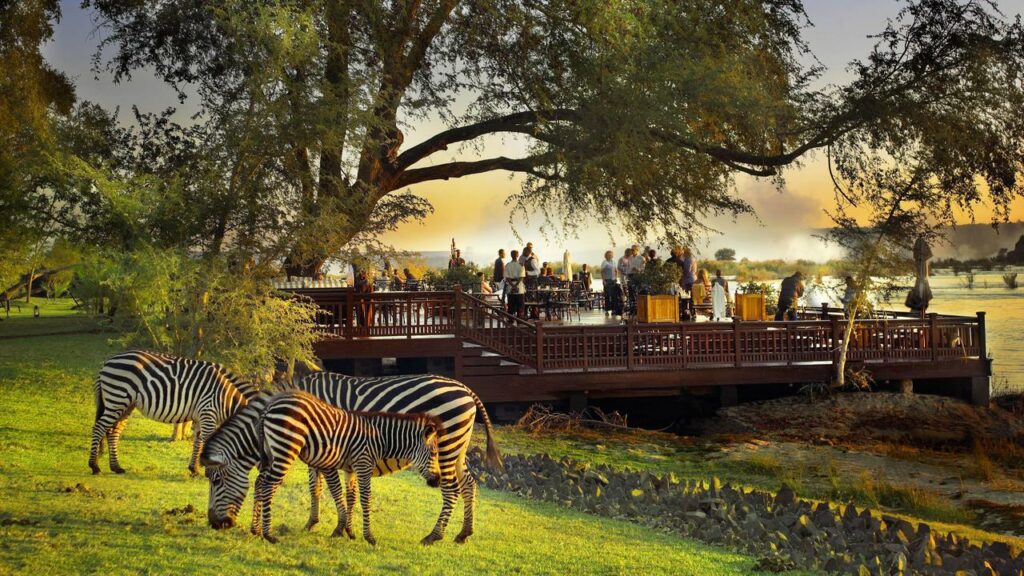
{"x":418,"y":417}
{"x":236,"y":432}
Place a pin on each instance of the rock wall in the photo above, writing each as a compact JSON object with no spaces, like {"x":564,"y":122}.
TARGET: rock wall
{"x":784,"y":531}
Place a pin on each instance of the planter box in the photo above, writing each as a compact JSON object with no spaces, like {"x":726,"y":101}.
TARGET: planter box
{"x":657,"y":308}
{"x":750,"y":307}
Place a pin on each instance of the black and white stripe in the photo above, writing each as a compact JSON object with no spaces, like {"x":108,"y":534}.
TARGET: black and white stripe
{"x":163,"y":388}
{"x":296,"y":425}
{"x":233,"y":454}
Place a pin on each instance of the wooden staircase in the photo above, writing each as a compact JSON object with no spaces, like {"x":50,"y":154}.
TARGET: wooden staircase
{"x":475,"y":361}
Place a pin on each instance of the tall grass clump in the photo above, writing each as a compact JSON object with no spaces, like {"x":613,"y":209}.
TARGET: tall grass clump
{"x":1010,"y":280}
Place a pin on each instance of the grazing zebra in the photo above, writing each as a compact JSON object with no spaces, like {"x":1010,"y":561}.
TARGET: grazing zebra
{"x":451,"y":401}
{"x":295,"y":424}
{"x":163,"y":388}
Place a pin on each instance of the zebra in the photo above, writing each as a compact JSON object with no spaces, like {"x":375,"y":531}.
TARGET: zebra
{"x":296,"y":424}
{"x":164,"y":388}
{"x":451,"y":401}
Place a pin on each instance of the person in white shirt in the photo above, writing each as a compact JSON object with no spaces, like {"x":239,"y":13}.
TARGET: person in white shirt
{"x":623,"y":265}
{"x":637,"y":262}
{"x":516,"y":287}
{"x":612,"y":302}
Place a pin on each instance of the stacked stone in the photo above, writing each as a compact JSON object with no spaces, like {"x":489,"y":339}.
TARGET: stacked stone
{"x":781,"y":528}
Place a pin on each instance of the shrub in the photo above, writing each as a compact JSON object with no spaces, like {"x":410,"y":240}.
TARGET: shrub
{"x":169,"y":302}
{"x":657,"y":278}
{"x":1010,"y":280}
{"x":446,"y":279}
{"x":770,"y":293}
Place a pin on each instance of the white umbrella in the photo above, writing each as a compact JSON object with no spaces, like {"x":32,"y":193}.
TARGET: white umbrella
{"x":567,"y":265}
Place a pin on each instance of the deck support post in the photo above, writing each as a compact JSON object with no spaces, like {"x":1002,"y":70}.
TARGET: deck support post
{"x":577,"y":402}
{"x":980,"y":391}
{"x":737,"y":360}
{"x":933,"y":335}
{"x":728,"y":395}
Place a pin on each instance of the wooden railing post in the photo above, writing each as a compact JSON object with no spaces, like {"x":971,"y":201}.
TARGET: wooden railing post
{"x":457,"y":305}
{"x":982,"y":349}
{"x":933,"y":333}
{"x":408,"y":314}
{"x":350,"y":312}
{"x":540,"y":346}
{"x":630,"y":336}
{"x":836,"y":337}
{"x":736,"y":341}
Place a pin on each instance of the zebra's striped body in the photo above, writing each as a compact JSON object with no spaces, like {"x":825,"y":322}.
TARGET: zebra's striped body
{"x":451,"y":401}
{"x":447,"y":399}
{"x":296,"y":425}
{"x":163,"y":388}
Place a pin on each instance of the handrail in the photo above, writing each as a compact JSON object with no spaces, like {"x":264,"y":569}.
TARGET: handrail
{"x":498,"y":330}
{"x":348,"y":315}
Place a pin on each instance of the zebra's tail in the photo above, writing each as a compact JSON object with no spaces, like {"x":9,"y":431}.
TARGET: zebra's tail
{"x":492,"y":457}
{"x":98,"y":393}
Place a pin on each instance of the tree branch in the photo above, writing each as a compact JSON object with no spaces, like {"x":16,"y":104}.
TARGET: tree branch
{"x":449,"y":170}
{"x":522,"y":122}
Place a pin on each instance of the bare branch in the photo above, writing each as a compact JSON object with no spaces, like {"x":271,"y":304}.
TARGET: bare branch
{"x":449,"y":170}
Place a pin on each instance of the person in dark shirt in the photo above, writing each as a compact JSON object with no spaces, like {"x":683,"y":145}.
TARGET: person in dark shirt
{"x":792,"y":289}
{"x":498,"y":276}
{"x":456,"y":260}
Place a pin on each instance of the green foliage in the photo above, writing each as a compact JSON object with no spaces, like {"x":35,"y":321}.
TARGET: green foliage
{"x":657,"y":278}
{"x":768,"y":290}
{"x":170,"y":302}
{"x":725,"y":254}
{"x":446,"y":278}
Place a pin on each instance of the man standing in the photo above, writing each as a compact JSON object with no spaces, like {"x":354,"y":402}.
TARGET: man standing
{"x":498,"y":277}
{"x":612,"y":302}
{"x":515,"y":285}
{"x":689,"y":269}
{"x":792,"y":289}
{"x":456,"y":260}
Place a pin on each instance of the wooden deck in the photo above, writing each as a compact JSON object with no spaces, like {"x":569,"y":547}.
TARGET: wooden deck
{"x":506,"y":359}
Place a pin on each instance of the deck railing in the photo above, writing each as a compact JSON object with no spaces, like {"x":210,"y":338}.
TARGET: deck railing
{"x":893,"y":338}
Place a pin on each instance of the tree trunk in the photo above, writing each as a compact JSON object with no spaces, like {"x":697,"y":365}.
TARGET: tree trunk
{"x":28,"y":286}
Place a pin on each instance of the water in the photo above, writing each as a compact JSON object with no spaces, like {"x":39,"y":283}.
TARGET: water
{"x":1004,"y":319}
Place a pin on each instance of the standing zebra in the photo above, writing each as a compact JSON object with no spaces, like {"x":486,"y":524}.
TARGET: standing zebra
{"x":295,"y":424}
{"x":231,"y":455}
{"x":163,"y":388}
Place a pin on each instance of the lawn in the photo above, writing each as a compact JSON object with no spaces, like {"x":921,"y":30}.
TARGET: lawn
{"x":55,"y":517}
{"x":56,"y":316}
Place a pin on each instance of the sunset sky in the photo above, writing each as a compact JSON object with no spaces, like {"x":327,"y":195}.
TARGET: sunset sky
{"x":472,"y":209}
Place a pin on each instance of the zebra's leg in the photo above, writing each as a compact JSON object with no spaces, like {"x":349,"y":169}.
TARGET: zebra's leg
{"x":350,"y":502}
{"x":106,"y":418}
{"x":202,"y":429}
{"x":114,"y":442}
{"x":363,"y":475}
{"x":269,"y":488}
{"x":257,"y":504}
{"x":449,"y":495}
{"x":315,"y":489}
{"x":467,"y":487}
{"x":334,"y":483}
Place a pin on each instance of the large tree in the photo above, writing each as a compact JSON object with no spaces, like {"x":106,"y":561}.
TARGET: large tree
{"x":645,"y":110}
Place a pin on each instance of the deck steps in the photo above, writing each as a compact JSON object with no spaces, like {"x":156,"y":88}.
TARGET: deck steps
{"x":478,"y":361}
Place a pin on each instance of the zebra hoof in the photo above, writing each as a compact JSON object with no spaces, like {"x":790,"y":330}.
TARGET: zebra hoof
{"x":270,"y":538}
{"x":350,"y":533}
{"x":312,"y":524}
{"x":193,"y":473}
{"x":371,"y":540}
{"x":95,"y":469}
{"x":462,"y":537}
{"x":339,"y":532}
{"x":117,"y":470}
{"x":430,"y":539}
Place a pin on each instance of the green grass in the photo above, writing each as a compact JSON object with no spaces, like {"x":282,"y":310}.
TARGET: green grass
{"x":55,"y":317}
{"x":118,"y":524}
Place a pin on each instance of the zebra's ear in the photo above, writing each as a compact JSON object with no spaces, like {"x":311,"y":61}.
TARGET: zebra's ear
{"x":212,"y":460}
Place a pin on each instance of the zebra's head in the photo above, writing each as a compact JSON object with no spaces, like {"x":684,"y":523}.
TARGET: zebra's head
{"x":229,"y":484}
{"x":424,"y":454}
{"x":228,"y":456}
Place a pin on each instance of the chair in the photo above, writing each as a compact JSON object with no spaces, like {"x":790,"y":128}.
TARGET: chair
{"x":568,"y":301}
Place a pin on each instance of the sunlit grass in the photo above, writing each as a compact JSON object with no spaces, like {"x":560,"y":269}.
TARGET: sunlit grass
{"x":55,"y":517}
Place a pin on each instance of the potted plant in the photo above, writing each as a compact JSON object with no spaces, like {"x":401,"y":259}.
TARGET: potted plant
{"x":656,"y":300}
